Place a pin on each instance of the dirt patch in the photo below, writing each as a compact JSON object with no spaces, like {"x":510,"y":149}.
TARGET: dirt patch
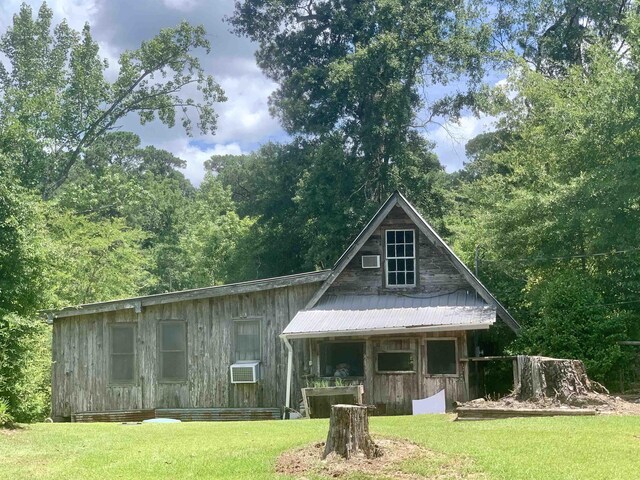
{"x":8,"y":432}
{"x":602,"y":403}
{"x":400,"y":460}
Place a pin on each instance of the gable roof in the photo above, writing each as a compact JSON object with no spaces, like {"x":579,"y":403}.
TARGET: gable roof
{"x":397,"y":199}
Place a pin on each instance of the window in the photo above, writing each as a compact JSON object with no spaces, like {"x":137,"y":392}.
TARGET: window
{"x":441,"y":357}
{"x":247,"y":340}
{"x":173,"y":351}
{"x":122,"y":353}
{"x":342,"y":359}
{"x":401,"y":254}
{"x":395,"y":362}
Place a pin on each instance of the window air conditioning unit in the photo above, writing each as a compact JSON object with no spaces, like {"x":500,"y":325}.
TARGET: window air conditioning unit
{"x":245,"y":372}
{"x":370,"y":261}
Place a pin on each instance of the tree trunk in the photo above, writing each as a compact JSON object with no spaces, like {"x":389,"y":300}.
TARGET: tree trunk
{"x":560,"y":379}
{"x":349,"y":433}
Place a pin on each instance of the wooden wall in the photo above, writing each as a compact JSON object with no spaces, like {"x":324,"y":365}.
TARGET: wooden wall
{"x":80,"y":372}
{"x":392,"y":393}
{"x":435,"y":272}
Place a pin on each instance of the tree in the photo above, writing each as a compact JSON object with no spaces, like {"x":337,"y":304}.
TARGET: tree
{"x":24,"y":339}
{"x":55,"y":101}
{"x":215,"y":245}
{"x":94,"y":261}
{"x":554,"y":35}
{"x":560,"y":218}
{"x":359,"y":70}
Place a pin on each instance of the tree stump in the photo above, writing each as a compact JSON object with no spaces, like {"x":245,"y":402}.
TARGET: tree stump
{"x":349,"y":433}
{"x":560,"y":379}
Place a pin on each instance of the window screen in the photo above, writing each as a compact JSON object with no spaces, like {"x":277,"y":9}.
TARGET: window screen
{"x":342,"y":359}
{"x":395,"y":362}
{"x":441,"y":357}
{"x":122,"y":353}
{"x":401,"y":254}
{"x":247,"y":339}
{"x":173,"y":351}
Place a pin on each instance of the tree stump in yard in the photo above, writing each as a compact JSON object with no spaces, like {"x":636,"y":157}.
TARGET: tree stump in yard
{"x":562,"y":379}
{"x":349,"y":433}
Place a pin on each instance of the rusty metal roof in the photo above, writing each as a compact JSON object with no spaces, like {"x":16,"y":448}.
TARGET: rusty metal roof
{"x":391,"y":314}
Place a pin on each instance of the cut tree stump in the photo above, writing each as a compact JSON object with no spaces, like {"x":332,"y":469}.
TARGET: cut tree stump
{"x":560,"y":379}
{"x":349,"y":433}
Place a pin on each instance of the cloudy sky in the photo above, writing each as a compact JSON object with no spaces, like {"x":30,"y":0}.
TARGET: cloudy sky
{"x":244,"y":120}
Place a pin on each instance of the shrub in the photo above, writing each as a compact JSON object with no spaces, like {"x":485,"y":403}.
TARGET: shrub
{"x":6,"y":420}
{"x":25,"y":367}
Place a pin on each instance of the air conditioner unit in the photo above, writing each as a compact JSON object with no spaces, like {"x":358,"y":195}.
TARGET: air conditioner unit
{"x":245,"y":372}
{"x":370,"y":261}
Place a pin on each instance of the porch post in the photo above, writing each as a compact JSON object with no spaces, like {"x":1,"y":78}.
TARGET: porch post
{"x":287,"y":402}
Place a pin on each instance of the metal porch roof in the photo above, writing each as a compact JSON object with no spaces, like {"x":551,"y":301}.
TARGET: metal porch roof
{"x":390,"y":314}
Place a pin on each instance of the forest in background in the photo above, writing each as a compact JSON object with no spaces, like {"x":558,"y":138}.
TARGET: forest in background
{"x":548,"y":202}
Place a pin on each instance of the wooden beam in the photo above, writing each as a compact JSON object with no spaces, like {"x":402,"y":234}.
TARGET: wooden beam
{"x":138,"y":303}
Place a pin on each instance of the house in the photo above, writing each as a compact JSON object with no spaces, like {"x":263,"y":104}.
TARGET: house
{"x":395,"y":314}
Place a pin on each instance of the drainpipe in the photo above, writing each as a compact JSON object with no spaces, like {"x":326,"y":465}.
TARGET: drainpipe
{"x":287,"y":402}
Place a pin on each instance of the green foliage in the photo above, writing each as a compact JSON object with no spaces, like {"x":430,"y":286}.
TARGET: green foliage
{"x":570,"y":322}
{"x":554,"y":35}
{"x":55,"y":101}
{"x":6,"y":420}
{"x":22,"y":246}
{"x":215,"y":246}
{"x":25,"y":365}
{"x":555,"y":208}
{"x":96,"y":260}
{"x":358,"y":72}
{"x":311,"y":199}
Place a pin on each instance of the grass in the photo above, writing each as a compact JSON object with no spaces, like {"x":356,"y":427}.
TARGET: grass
{"x":582,"y":448}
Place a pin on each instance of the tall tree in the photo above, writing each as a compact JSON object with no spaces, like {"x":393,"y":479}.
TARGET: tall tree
{"x":55,"y":101}
{"x":560,"y":218}
{"x":360,"y":69}
{"x":553,"y":35}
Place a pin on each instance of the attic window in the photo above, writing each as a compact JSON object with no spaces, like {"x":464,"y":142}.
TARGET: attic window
{"x":401,"y":258}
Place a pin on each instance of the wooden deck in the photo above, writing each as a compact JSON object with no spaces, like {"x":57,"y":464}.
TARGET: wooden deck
{"x":469,"y":413}
{"x":183,"y":414}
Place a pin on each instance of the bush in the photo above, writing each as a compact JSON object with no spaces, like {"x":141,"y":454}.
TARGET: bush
{"x":6,"y":420}
{"x":25,"y":365}
{"x":573,"y":323}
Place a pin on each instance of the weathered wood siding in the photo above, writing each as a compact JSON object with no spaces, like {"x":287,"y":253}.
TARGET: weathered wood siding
{"x":436,"y":273}
{"x":80,"y":373}
{"x":392,"y":393}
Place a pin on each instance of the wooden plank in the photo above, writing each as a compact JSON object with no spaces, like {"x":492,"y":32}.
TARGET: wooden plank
{"x":468,"y":413}
{"x":195,"y":294}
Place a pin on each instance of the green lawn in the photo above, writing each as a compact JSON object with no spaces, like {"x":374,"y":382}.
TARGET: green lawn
{"x":545,"y":448}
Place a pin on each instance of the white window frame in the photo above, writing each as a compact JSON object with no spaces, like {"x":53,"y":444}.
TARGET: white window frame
{"x":387,"y":258}
{"x":442,"y":339}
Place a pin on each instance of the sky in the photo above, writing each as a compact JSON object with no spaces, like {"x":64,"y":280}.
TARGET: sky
{"x":244,"y":121}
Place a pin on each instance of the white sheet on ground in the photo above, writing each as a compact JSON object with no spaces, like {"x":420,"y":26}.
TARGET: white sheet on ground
{"x":433,"y":404}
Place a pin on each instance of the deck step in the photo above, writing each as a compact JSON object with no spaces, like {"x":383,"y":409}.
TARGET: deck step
{"x":219,"y":414}
{"x":114,"y":416}
{"x":470,"y":413}
{"x":183,"y":414}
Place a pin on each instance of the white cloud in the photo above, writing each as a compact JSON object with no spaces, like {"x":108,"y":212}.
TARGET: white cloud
{"x":451,"y":138}
{"x":195,"y":156}
{"x":181,"y":5}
